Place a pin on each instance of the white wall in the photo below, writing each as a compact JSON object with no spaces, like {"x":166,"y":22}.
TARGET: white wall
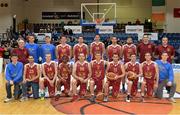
{"x":5,"y":16}
{"x":172,"y":24}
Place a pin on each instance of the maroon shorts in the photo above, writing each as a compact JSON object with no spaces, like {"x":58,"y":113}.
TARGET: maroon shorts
{"x":134,"y":87}
{"x":51,"y":89}
{"x":150,"y":86}
{"x":83,"y":87}
{"x":116,"y":86}
{"x":66,"y":85}
{"x":99,"y":85}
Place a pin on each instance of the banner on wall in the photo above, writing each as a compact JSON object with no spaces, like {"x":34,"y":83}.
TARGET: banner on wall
{"x":177,"y":12}
{"x":105,"y":29}
{"x":41,"y":36}
{"x":61,"y":15}
{"x":152,"y":36}
{"x":75,"y":29}
{"x":176,"y":67}
{"x":134,"y":29}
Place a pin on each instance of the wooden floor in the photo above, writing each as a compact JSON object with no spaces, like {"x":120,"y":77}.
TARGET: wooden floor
{"x":44,"y":107}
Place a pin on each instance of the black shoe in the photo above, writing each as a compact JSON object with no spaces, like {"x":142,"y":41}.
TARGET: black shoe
{"x":93,"y":98}
{"x":128,"y":98}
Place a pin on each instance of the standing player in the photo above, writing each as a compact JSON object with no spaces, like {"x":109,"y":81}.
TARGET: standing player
{"x":97,"y":46}
{"x":144,"y":47}
{"x":80,"y":48}
{"x":63,"y":49}
{"x":21,"y":52}
{"x":49,"y":69}
{"x":114,"y":48}
{"x":150,"y":76}
{"x":47,"y":48}
{"x":14,"y":76}
{"x":165,"y":47}
{"x":63,"y":77}
{"x":31,"y":78}
{"x":33,"y":48}
{"x":127,"y":50}
{"x":133,"y":72}
{"x":81,"y":74}
{"x":117,"y":68}
{"x":98,"y":74}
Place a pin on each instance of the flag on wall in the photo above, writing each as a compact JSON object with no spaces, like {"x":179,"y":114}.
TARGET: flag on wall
{"x":177,"y":12}
{"x":158,"y":17}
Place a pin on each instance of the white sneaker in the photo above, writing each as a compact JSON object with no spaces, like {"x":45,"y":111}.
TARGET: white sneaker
{"x":105,"y":99}
{"x":23,"y":99}
{"x":8,"y":100}
{"x":172,"y":100}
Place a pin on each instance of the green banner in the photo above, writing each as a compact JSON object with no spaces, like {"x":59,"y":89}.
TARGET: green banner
{"x":158,"y":2}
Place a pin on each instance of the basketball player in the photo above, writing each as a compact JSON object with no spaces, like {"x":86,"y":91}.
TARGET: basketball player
{"x":63,"y":49}
{"x":49,"y":69}
{"x":114,"y":48}
{"x":98,"y":74}
{"x":97,"y":46}
{"x":47,"y":48}
{"x":33,"y":48}
{"x":144,"y":47}
{"x":165,"y":47}
{"x":80,"y":48}
{"x":31,"y":78}
{"x":14,"y":76}
{"x":81,"y":74}
{"x":63,"y":77}
{"x":135,"y":67}
{"x":150,"y":77}
{"x":127,"y":49}
{"x":21,"y":52}
{"x":117,"y":68}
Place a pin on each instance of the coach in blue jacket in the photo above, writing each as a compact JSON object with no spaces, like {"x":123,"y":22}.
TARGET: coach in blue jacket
{"x":166,"y":77}
{"x":13,"y":75}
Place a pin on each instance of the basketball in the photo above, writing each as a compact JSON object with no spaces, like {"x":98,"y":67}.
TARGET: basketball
{"x":111,"y":76}
{"x":131,"y":75}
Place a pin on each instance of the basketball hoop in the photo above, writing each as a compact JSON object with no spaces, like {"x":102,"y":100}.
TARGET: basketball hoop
{"x":99,"y":21}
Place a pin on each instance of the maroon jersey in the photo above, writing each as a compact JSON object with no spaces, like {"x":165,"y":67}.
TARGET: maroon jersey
{"x":145,"y":48}
{"x":133,"y":67}
{"x":64,"y":70}
{"x":80,"y":49}
{"x":82,"y":70}
{"x":128,"y":50}
{"x":23,"y":54}
{"x":97,"y":47}
{"x":169,"y":49}
{"x":63,"y":50}
{"x":49,"y":69}
{"x":31,"y":72}
{"x":115,"y":68}
{"x":98,"y":69}
{"x":113,"y":49}
{"x":149,"y":70}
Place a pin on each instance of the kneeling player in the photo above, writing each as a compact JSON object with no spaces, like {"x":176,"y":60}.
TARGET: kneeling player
{"x":98,"y":73}
{"x":63,"y":77}
{"x":49,"y":69}
{"x":115,"y":71}
{"x":81,"y":74}
{"x":31,"y":78}
{"x":150,"y":76}
{"x":133,"y":72}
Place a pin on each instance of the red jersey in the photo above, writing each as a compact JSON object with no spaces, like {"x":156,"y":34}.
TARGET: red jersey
{"x":169,"y":49}
{"x":133,"y":67}
{"x":1,"y":52}
{"x":115,"y":68}
{"x":98,"y":69}
{"x":127,"y":51}
{"x":63,"y":50}
{"x":49,"y":69}
{"x":64,"y":70}
{"x":82,"y":69}
{"x":23,"y":54}
{"x":80,"y":49}
{"x":31,"y":72}
{"x":96,"y":47}
{"x":149,"y":70}
{"x":145,"y":48}
{"x":113,"y":49}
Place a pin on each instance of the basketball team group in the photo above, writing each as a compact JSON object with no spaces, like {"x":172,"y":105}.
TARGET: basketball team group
{"x":96,"y":78}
